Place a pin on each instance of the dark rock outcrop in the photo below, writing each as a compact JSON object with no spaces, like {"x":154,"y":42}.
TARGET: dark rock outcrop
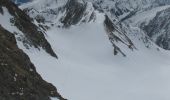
{"x":74,"y":12}
{"x":116,"y":35}
{"x":18,"y":77}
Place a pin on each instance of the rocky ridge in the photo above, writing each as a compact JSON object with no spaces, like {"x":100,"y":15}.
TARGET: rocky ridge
{"x":19,"y":79}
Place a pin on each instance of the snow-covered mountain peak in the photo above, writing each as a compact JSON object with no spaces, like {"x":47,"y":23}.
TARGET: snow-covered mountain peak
{"x":107,"y":49}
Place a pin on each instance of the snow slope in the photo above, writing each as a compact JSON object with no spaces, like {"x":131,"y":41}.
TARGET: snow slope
{"x":88,"y":70}
{"x":5,"y":21}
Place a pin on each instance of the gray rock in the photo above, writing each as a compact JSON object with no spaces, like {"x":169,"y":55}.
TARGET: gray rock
{"x":159,"y":29}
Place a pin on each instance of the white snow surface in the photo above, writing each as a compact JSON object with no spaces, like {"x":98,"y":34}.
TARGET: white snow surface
{"x":88,"y":70}
{"x":5,"y":20}
{"x":54,"y":99}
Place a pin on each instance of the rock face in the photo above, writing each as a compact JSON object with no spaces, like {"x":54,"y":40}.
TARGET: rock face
{"x":35,"y":37}
{"x":116,"y":35}
{"x":18,"y":77}
{"x":74,"y":12}
{"x":159,"y":29}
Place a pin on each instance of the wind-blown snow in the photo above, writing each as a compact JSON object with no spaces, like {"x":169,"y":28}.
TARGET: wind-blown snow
{"x":88,"y":70}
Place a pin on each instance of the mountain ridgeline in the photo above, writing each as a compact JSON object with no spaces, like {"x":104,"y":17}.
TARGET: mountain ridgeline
{"x":19,"y":79}
{"x":19,"y":2}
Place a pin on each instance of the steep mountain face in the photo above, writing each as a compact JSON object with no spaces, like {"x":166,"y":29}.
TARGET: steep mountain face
{"x":33,"y":36}
{"x":158,"y":29}
{"x":121,"y":7}
{"x":75,"y":11}
{"x":144,"y":14}
{"x":18,"y":76}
